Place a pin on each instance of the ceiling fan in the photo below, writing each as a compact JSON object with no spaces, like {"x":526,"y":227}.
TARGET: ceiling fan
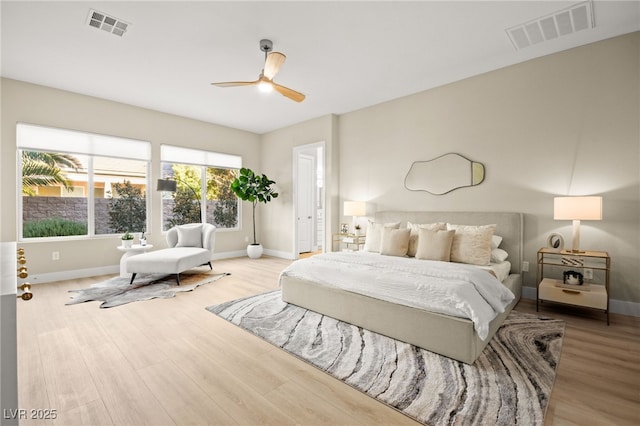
{"x":272,"y":63}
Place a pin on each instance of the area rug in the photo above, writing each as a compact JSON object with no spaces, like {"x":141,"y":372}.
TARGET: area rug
{"x":117,"y":291}
{"x":510,"y":383}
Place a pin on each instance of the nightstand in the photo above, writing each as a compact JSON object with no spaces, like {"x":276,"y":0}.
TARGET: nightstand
{"x":593,"y":294}
{"x":348,"y":242}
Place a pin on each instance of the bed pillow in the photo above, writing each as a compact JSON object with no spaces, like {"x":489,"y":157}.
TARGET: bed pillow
{"x":414,"y":227}
{"x":434,"y":244}
{"x":498,"y":255}
{"x":374,"y":235}
{"x":471,"y":244}
{"x":495,"y":241}
{"x":190,"y":236}
{"x":395,"y":242}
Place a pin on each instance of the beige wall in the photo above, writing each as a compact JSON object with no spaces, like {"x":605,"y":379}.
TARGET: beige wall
{"x":23,"y":102}
{"x":277,"y":219}
{"x":565,"y":124}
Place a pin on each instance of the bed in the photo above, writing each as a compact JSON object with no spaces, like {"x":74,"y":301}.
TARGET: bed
{"x":449,"y":335}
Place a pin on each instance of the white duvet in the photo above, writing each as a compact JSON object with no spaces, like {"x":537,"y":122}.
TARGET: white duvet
{"x":448,"y":288}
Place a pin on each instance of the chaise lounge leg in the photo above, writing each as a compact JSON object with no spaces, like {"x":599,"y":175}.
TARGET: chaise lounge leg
{"x":178,"y":278}
{"x":210,"y":267}
{"x":132,"y":278}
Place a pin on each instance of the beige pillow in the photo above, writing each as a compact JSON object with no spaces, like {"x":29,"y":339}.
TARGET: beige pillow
{"x":471,"y":244}
{"x":189,"y":236}
{"x":434,"y":244}
{"x":414,"y":227}
{"x":395,"y":242}
{"x":374,"y":235}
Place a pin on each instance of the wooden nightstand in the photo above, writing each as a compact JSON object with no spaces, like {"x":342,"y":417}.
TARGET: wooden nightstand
{"x":594,"y":293}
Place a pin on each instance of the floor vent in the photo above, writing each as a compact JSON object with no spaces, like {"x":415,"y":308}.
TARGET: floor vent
{"x":561,"y":23}
{"x":107,"y":23}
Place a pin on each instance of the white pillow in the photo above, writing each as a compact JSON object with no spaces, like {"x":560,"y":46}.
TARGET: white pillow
{"x":498,"y":255}
{"x":374,"y":235}
{"x":395,"y":242}
{"x":434,"y":244}
{"x":189,"y":236}
{"x":495,"y":241}
{"x":471,"y":244}
{"x":414,"y":227}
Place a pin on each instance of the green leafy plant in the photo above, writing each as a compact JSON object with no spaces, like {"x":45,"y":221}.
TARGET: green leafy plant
{"x":127,"y":236}
{"x":53,"y":227}
{"x":46,"y":169}
{"x":129,"y":210}
{"x":254,"y":188}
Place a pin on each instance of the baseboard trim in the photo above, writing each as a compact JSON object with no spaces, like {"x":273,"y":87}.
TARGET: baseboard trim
{"x":616,"y":306}
{"x":280,"y":254}
{"x":621,"y":307}
{"x":73,"y":274}
{"x":105,"y":270}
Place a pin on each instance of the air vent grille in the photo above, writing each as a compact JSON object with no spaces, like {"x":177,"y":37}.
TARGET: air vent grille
{"x":561,"y":23}
{"x":107,"y":23}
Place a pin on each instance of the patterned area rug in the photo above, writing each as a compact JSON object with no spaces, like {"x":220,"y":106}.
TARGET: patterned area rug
{"x":510,"y":383}
{"x":117,"y":291}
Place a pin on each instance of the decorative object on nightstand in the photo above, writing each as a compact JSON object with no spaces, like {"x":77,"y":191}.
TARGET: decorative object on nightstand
{"x":572,"y":288}
{"x":555,"y":242}
{"x":577,"y":209}
{"x":127,"y":239}
{"x":355,"y":209}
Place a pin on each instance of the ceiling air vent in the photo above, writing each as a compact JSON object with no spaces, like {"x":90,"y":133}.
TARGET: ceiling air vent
{"x":563,"y":22}
{"x":107,"y":23}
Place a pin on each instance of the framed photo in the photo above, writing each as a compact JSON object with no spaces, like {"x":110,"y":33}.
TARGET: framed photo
{"x":344,"y":228}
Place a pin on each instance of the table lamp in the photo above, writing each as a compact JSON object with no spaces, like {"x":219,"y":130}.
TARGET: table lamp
{"x":355,"y":209}
{"x":577,"y":209}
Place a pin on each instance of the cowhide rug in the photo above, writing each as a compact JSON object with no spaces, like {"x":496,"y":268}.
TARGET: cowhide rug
{"x":117,"y":291}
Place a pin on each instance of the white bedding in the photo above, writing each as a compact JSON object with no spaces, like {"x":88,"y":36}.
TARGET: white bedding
{"x":448,"y":288}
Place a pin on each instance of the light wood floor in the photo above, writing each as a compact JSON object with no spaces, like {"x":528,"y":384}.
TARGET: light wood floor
{"x":169,"y":361}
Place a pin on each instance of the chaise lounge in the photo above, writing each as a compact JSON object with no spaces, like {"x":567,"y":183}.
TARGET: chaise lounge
{"x":190,"y":245}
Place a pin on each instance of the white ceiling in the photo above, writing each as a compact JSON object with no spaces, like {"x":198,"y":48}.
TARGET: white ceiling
{"x":343,"y":55}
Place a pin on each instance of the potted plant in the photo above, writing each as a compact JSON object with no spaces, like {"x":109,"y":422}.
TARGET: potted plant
{"x":127,"y":239}
{"x":249,"y":186}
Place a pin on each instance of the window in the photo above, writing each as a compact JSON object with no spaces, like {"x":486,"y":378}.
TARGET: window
{"x":199,"y":175}
{"x":80,"y":184}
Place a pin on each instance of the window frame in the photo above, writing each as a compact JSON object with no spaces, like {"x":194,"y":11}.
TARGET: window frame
{"x":90,"y":145}
{"x":171,"y":154}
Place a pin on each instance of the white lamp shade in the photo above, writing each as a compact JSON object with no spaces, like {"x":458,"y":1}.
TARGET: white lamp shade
{"x":577,"y":208}
{"x":355,"y":208}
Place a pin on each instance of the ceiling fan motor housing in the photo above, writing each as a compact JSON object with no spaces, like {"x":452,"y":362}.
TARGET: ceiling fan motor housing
{"x":266,"y":45}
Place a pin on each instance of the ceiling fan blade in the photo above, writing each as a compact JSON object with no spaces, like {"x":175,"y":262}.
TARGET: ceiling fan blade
{"x":273,"y":63}
{"x":235,"y":83}
{"x":289,"y":93}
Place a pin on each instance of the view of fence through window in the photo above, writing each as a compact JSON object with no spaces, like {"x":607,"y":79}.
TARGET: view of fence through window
{"x":192,"y":183}
{"x":61,"y":191}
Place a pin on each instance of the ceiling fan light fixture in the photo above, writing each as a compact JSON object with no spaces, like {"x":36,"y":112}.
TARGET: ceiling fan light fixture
{"x":265,"y":86}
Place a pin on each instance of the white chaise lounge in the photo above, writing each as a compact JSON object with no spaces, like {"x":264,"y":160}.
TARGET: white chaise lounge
{"x":190,"y":245}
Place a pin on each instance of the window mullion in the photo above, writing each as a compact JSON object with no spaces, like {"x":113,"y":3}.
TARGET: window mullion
{"x":91,"y":225}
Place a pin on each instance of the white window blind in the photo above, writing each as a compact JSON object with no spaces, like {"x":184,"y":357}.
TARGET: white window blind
{"x":42,"y":138}
{"x":175,"y":154}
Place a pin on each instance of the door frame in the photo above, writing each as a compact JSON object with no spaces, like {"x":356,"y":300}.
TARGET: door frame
{"x":297,"y":150}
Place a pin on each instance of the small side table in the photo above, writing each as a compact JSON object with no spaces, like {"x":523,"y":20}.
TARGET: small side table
{"x":128,"y":252}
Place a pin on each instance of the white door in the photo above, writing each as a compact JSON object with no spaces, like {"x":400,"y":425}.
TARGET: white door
{"x":306,"y":204}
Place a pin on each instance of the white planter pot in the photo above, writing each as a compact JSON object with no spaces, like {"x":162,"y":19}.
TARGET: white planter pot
{"x":127,"y":243}
{"x":254,"y":251}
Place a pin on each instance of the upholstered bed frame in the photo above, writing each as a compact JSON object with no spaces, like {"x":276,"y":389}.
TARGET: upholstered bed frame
{"x":450,"y":336}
